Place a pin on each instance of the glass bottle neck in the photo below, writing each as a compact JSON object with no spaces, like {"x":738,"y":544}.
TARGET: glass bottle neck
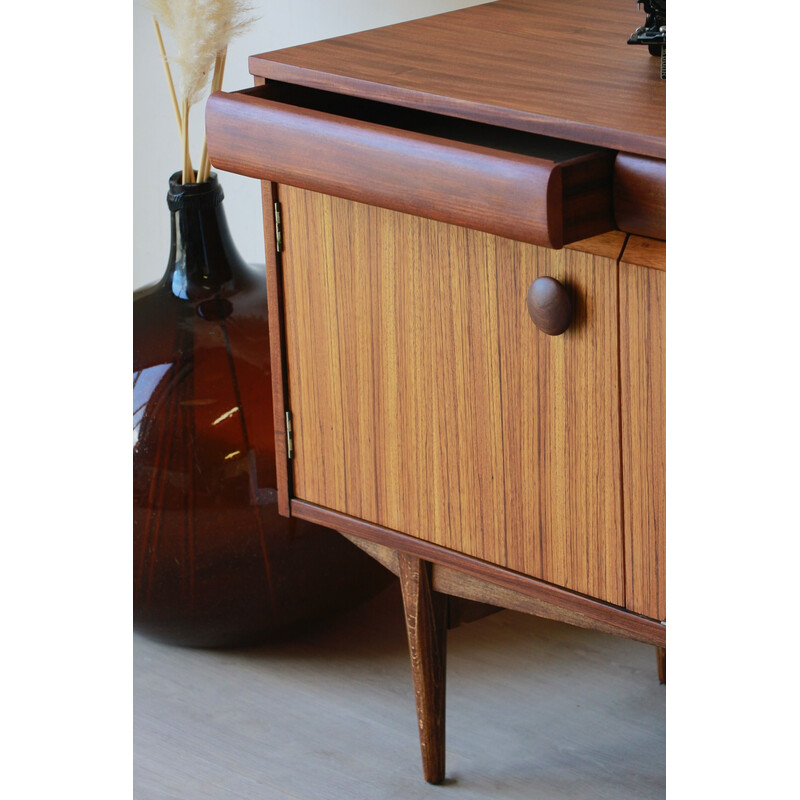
{"x":203,"y":260}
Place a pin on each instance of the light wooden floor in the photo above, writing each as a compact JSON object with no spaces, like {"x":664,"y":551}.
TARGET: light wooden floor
{"x":535,"y":709}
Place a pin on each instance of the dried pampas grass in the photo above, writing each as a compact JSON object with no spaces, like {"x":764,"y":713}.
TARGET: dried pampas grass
{"x":201,"y":31}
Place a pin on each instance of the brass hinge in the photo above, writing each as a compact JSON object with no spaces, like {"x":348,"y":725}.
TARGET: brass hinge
{"x":289,"y":436}
{"x":278,"y":227}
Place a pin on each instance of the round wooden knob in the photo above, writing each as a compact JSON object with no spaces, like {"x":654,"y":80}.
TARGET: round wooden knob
{"x":549,"y":305}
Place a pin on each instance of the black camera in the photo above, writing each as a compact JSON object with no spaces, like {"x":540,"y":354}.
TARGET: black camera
{"x":654,"y":31}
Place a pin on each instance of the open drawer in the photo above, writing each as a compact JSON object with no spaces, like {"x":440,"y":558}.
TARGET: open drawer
{"x":519,"y":185}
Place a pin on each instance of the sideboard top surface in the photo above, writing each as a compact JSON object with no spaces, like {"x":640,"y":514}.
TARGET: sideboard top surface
{"x":557,"y":67}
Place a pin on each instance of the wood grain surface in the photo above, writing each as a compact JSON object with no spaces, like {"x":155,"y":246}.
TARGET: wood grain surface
{"x":640,"y":195}
{"x":426,"y":401}
{"x":276,"y":345}
{"x":460,"y":610}
{"x":566,"y":606}
{"x":532,"y":188}
{"x":642,"y":296}
{"x":646,"y":252}
{"x":463,"y":583}
{"x":607,"y":245}
{"x":547,"y":66}
{"x":426,"y":628}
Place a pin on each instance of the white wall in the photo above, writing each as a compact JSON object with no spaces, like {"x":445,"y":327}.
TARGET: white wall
{"x":156,"y":146}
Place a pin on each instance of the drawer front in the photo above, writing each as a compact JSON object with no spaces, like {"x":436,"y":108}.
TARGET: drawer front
{"x":424,"y":399}
{"x":527,"y":187}
{"x":640,"y":195}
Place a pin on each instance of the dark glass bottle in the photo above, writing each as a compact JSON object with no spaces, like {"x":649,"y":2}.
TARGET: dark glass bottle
{"x":214,"y":562}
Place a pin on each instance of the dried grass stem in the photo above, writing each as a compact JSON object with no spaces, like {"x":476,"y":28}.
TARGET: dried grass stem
{"x":216,"y":85}
{"x":168,"y":73}
{"x":201,"y":30}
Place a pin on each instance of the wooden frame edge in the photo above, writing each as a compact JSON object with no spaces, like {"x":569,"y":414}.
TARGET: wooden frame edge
{"x":525,"y":592}
{"x":641,"y":251}
{"x":269,"y":194}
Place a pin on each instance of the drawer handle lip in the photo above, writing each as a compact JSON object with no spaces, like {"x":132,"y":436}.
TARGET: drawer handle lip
{"x":522,"y":197}
{"x":550,"y":305}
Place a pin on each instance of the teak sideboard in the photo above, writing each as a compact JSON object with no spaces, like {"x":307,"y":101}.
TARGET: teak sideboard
{"x":465,"y":232}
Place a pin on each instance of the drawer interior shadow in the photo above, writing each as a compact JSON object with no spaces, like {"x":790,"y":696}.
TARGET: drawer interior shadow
{"x":424,"y":122}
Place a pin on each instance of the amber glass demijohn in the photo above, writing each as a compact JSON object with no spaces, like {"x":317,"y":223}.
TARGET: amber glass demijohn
{"x":214,"y":564}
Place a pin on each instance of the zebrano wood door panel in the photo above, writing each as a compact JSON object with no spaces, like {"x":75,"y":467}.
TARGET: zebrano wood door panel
{"x":643,"y":402}
{"x":424,"y":399}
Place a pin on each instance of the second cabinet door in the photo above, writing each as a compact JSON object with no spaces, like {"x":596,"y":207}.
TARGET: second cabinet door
{"x":424,"y":399}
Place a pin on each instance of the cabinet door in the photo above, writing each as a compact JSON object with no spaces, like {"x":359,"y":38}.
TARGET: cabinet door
{"x":642,"y":296}
{"x":425,"y":400}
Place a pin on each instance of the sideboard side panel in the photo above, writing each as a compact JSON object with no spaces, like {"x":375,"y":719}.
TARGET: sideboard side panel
{"x":643,"y":405}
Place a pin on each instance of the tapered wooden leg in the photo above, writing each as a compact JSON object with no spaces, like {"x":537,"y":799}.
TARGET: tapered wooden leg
{"x":426,"y":625}
{"x":661,"y":655}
